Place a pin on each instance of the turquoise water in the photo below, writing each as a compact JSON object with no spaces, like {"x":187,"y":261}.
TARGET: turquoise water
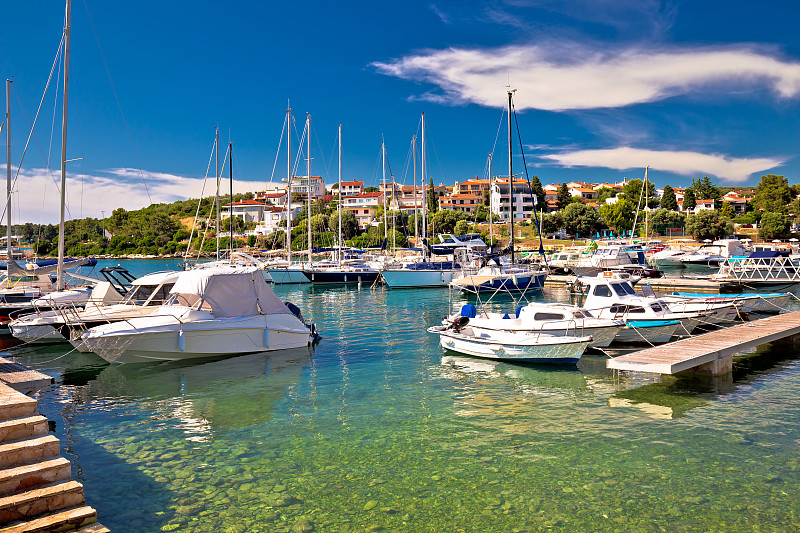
{"x":376,"y":430}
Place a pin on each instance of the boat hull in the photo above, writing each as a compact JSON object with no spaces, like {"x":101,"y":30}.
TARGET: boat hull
{"x":281,"y":276}
{"x":547,"y":352}
{"x":409,"y":279}
{"x":647,"y":335}
{"x":323,"y":277}
{"x":196,"y":339}
{"x":501,"y":282}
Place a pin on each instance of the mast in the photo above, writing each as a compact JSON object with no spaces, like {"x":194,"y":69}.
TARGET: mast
{"x":216,"y":145}
{"x":230,"y":173}
{"x":511,"y":175}
{"x":308,"y":181}
{"x":289,"y":185}
{"x":383,"y":165}
{"x":340,"y":196}
{"x":424,"y":187}
{"x":646,"y":207}
{"x":8,"y":176}
{"x":414,"y":158}
{"x":60,"y":268}
{"x":491,"y":226}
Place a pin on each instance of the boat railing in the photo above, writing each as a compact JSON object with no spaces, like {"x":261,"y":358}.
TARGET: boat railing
{"x":561,"y":321}
{"x":761,"y":268}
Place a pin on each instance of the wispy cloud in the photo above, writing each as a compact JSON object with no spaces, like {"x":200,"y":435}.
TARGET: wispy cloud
{"x":88,"y":195}
{"x":567,"y":76}
{"x":684,"y":163}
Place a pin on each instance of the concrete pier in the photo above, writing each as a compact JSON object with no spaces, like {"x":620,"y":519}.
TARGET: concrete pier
{"x":709,"y":353}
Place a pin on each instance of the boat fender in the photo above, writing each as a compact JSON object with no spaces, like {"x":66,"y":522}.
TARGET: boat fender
{"x":266,"y":337}
{"x":181,"y":341}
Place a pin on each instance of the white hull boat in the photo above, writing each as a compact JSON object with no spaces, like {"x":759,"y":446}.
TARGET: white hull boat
{"x":287,"y":275}
{"x":403,"y":278}
{"x":511,"y":346}
{"x":209,"y":312}
{"x":648,"y":331}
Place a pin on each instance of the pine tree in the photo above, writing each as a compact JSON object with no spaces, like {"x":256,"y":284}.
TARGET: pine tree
{"x":689,"y":201}
{"x":538,"y":190}
{"x":433,"y":204}
{"x":668,"y":200}
{"x":564,"y":197}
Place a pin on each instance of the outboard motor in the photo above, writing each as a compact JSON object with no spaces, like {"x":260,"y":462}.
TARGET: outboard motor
{"x":295,"y":311}
{"x":459,"y":323}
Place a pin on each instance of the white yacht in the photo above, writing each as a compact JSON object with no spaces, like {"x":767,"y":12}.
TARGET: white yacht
{"x":714,"y":254}
{"x":209,"y":312}
{"x":608,"y":257}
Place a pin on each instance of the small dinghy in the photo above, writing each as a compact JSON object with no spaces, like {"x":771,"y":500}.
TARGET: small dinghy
{"x":528,"y":347}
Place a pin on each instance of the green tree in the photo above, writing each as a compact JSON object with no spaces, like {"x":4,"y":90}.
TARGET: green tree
{"x":772,"y":194}
{"x":445,"y":221}
{"x":662,"y":219}
{"x":604,"y":193}
{"x":563,"y":198}
{"x":705,"y":189}
{"x":371,"y":189}
{"x":668,"y":200}
{"x":633,"y":191}
{"x":552,"y":222}
{"x":726,"y":210}
{"x":433,"y":203}
{"x":708,"y":224}
{"x":689,"y":200}
{"x":538,"y":191}
{"x":349,"y":224}
{"x":580,"y":219}
{"x":774,"y":225}
{"x":462,"y":227}
{"x":619,"y":215}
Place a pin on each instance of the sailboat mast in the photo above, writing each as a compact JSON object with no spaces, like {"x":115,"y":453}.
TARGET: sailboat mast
{"x":646,"y":207}
{"x":216,"y":144}
{"x":414,"y":158}
{"x":424,"y":187}
{"x":60,"y":268}
{"x":491,"y":226}
{"x":308,"y":181}
{"x":383,"y":165}
{"x":340,"y":196}
{"x":289,"y":185}
{"x":8,"y":175}
{"x":230,"y":173}
{"x":511,"y":175}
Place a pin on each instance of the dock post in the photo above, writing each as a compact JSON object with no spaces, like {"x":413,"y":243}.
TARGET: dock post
{"x":717,"y":367}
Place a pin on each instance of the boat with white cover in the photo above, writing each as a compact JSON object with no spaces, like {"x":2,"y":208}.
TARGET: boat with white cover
{"x":561,"y":320}
{"x":209,"y":312}
{"x":528,"y":347}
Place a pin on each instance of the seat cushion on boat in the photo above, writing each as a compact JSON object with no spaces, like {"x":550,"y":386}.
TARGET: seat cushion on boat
{"x":468,"y":310}
{"x":519,"y":309}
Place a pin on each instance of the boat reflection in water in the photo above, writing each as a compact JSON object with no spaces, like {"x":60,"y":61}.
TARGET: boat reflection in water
{"x":207,"y":395}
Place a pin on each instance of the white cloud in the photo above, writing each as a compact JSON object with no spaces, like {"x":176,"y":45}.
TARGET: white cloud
{"x":731,"y":169}
{"x":568,"y":76}
{"x":37,"y":197}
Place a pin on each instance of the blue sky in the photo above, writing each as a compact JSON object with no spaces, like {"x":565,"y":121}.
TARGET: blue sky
{"x":604,"y":88}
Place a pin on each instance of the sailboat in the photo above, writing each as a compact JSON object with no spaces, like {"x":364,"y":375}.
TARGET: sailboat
{"x":351,"y":271}
{"x":284,"y":271}
{"x":428,"y":272}
{"x":494,"y":274}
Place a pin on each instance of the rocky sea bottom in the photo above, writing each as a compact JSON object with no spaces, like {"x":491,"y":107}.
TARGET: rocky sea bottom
{"x":376,"y":429}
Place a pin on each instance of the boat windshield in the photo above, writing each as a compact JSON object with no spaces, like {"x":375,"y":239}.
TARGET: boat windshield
{"x":618,"y":289}
{"x":628,"y":288}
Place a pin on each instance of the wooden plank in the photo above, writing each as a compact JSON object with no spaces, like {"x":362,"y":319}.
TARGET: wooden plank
{"x":701,"y":349}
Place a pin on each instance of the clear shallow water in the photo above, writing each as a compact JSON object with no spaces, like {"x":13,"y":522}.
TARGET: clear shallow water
{"x":375,"y":429}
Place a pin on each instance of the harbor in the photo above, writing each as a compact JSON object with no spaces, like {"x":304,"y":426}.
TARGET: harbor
{"x":376,"y":428}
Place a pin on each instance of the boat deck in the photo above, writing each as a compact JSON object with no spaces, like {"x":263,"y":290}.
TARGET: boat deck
{"x":711,"y":352}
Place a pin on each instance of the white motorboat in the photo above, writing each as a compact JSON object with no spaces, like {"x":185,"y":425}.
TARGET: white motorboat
{"x":561,"y":320}
{"x":209,"y":312}
{"x":529,"y":347}
{"x":611,"y":297}
{"x":608,"y":257}
{"x":714,"y":254}
{"x":717,"y":312}
{"x":105,"y":306}
{"x":767,"y":302}
{"x":421,"y":274}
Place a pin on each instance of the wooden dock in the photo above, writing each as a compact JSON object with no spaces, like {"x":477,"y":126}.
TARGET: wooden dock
{"x":710,"y":352}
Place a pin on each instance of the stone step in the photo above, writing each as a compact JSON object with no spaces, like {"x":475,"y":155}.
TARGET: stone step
{"x":28,"y":451}
{"x":66,"y":520}
{"x":25,"y":477}
{"x":47,"y":499}
{"x":94,"y":528}
{"x":14,"y":404}
{"x":23,"y":428}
